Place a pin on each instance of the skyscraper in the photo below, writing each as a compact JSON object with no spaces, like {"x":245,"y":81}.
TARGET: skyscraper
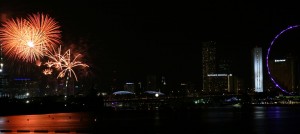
{"x":224,"y":66}
{"x":3,"y":76}
{"x":258,"y":69}
{"x":1,"y":61}
{"x":208,"y":65}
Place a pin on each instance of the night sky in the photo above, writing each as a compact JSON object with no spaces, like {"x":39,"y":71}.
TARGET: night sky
{"x":137,"y":38}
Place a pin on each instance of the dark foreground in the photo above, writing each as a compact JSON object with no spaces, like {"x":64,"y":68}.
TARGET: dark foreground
{"x":204,"y":120}
{"x":207,"y":120}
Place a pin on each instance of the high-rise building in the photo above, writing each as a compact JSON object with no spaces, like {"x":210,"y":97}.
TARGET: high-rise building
{"x":223,"y":83}
{"x":224,"y":66}
{"x":3,"y":76}
{"x":226,"y":83}
{"x":258,"y":69}
{"x":1,"y":61}
{"x":208,"y":65}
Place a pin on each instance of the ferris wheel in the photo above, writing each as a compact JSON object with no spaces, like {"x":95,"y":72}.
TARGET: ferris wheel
{"x":277,"y":85}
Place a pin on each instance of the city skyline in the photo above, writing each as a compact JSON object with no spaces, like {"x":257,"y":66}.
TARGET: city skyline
{"x":125,"y":66}
{"x":140,"y":38}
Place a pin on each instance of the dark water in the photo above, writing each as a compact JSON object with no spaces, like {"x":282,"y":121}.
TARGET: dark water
{"x":211,"y":120}
{"x":208,"y":120}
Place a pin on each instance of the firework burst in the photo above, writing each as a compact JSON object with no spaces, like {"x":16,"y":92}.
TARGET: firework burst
{"x":55,"y":59}
{"x":48,"y":28}
{"x":64,"y":63}
{"x":29,"y":39}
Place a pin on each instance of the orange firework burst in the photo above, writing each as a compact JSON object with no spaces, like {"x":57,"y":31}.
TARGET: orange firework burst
{"x":48,"y":28}
{"x":47,"y":71}
{"x":29,"y":39}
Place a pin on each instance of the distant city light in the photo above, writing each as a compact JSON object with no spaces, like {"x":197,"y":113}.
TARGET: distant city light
{"x":129,"y":83}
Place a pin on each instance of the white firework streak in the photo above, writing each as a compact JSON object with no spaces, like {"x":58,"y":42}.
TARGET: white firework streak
{"x":64,"y":64}
{"x":56,"y":59}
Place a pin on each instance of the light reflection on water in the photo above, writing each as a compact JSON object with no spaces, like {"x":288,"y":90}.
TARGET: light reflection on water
{"x":68,"y":122}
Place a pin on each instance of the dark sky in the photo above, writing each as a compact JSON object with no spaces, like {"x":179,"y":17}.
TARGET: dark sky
{"x":162,"y":37}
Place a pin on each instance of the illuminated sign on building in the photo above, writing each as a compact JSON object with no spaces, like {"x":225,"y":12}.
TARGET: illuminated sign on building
{"x":281,"y":60}
{"x":220,"y":75}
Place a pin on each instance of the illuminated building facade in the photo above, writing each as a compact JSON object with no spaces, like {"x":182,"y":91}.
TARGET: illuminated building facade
{"x":225,"y":84}
{"x":208,"y":65}
{"x":222,"y":82}
{"x":258,"y":69}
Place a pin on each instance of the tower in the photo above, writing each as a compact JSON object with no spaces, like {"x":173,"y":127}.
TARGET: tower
{"x":208,"y":65}
{"x":258,"y":69}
